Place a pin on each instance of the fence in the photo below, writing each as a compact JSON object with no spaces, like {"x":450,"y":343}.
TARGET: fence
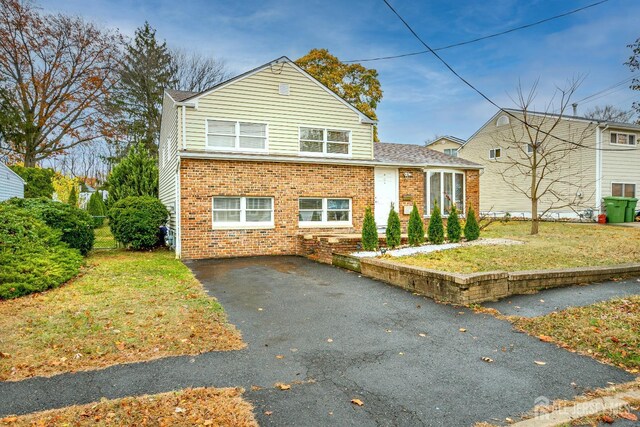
{"x":104,"y":238}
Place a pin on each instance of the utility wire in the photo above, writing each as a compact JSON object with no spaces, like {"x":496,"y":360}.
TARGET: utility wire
{"x":479,"y":92}
{"x":501,"y":33}
{"x":603,"y":91}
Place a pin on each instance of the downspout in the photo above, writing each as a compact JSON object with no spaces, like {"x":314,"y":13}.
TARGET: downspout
{"x":178,"y":214}
{"x":599,"y":169}
{"x":184,"y":125}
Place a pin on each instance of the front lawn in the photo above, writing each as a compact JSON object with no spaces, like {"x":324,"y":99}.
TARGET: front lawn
{"x":124,"y":307}
{"x":608,"y":331}
{"x":190,"y":407}
{"x":559,"y":245}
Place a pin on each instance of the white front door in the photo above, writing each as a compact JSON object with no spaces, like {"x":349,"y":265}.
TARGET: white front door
{"x":386,"y":193}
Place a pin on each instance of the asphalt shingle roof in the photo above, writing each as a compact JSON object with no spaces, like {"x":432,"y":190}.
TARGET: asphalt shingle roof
{"x":418,"y":155}
{"x":180,"y":95}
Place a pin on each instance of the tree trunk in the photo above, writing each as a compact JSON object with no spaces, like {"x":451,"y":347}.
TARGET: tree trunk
{"x":535,"y":221}
{"x":534,"y":195}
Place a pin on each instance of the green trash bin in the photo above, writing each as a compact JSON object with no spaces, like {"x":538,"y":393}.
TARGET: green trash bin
{"x":630,"y":211}
{"x":616,"y":207}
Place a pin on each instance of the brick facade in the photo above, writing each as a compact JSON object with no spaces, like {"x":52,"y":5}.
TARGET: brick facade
{"x":201,"y":180}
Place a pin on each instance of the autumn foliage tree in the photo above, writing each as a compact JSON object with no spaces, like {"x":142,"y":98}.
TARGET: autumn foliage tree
{"x":56,"y":72}
{"x":355,"y":83}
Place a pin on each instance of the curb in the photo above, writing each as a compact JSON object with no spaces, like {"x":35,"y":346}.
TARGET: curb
{"x":580,"y":410}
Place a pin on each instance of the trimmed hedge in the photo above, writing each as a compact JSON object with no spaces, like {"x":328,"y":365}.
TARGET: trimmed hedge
{"x":39,"y":181}
{"x":75,"y":225}
{"x":135,"y":221}
{"x":393,"y":232}
{"x":97,"y":209}
{"x":369,"y":231}
{"x":32,"y":257}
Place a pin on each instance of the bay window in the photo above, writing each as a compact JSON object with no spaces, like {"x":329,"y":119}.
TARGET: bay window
{"x":318,"y":212}
{"x":325,"y":141}
{"x":242,"y":211}
{"x":445,"y":188}
{"x":236,"y":135}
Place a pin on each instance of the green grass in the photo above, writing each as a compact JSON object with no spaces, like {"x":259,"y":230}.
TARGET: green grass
{"x":558,"y":245}
{"x":124,"y":307}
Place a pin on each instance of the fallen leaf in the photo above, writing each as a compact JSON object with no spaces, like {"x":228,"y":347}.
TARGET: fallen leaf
{"x":387,"y":330}
{"x":357,"y":402}
{"x":329,"y":340}
{"x":255,"y":388}
{"x":282,"y":386}
{"x":9,"y":420}
{"x":487,"y":359}
{"x":462,"y":330}
{"x":607,"y":419}
{"x":537,"y":362}
{"x":180,"y":410}
{"x":545,"y":338}
{"x":615,"y":340}
{"x":401,"y":354}
{"x":423,"y":335}
{"x":541,"y":300}
{"x":259,"y":309}
{"x":120,"y":345}
{"x":268,"y":412}
{"x":279,"y":356}
{"x":4,"y":355}
{"x":628,"y":416}
{"x":129,"y":312}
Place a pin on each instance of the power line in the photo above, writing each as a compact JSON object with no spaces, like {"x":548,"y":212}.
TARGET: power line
{"x":501,"y":33}
{"x":603,"y":91}
{"x":479,"y":92}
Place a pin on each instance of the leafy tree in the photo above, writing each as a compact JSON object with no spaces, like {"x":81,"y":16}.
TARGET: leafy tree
{"x":356,"y":84}
{"x":369,"y":231}
{"x":39,"y":181}
{"x":147,"y":68}
{"x":453,"y":225}
{"x":62,"y":186}
{"x":393,"y":231}
{"x":73,"y":197}
{"x":56,"y":72}
{"x":435,"y":232}
{"x":135,"y":175}
{"x":415,"y":229}
{"x":634,"y":64}
{"x":471,"y":228}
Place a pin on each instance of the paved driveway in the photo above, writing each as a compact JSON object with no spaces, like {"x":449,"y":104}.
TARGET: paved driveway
{"x":342,"y":337}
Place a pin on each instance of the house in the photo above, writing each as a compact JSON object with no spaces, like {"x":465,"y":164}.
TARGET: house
{"x":11,"y":184}
{"x":250,"y":165}
{"x":605,"y":162}
{"x":446,"y":144}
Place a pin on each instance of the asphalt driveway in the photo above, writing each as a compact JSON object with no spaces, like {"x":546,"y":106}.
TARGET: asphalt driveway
{"x":335,"y":336}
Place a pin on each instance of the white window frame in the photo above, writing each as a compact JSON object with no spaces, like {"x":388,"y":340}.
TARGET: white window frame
{"x":325,"y":131}
{"x":492,"y":153}
{"x":624,"y":184}
{"x":243,"y":223}
{"x":500,"y":120}
{"x":454,"y":150}
{"x":427,"y":178}
{"x":325,"y":222}
{"x":237,"y":136}
{"x":635,"y":139}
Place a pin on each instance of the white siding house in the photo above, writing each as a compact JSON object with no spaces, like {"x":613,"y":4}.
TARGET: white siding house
{"x":11,"y":185}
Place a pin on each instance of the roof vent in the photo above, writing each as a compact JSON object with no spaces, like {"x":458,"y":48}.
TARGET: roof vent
{"x":283,"y":89}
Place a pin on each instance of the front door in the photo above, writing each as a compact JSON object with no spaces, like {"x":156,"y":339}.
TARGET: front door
{"x":386,"y":193}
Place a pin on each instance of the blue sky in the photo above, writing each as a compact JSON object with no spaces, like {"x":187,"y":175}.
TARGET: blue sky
{"x":421,"y":97}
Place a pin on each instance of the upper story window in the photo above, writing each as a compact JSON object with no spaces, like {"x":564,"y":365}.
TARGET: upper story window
{"x":502,"y":121}
{"x":236,"y":136}
{"x":495,"y":153}
{"x":332,"y":142}
{"x":451,"y":152}
{"x":618,"y":138}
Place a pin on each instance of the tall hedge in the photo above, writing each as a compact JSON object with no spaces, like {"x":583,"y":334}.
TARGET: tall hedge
{"x":74,"y":224}
{"x":135,"y":221}
{"x":435,"y":232}
{"x":32,"y":257}
{"x":369,"y":231}
{"x":38,"y":181}
{"x":471,"y":228}
{"x":393,"y":232}
{"x":453,"y":225}
{"x":415,"y":229}
{"x":97,"y":209}
{"x":73,"y":197}
{"x":135,"y":175}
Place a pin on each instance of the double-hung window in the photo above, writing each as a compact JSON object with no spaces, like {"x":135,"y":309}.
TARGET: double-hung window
{"x":318,"y":212}
{"x":332,"y":142}
{"x":451,"y":152}
{"x":619,"y":189}
{"x":236,"y":135}
{"x":242,"y":211}
{"x":618,"y":138}
{"x":495,"y":153}
{"x":445,"y":188}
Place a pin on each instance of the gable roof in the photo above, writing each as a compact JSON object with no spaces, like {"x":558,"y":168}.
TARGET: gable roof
{"x":451,"y":138}
{"x":418,"y":155}
{"x":193,"y":96}
{"x":3,"y":166}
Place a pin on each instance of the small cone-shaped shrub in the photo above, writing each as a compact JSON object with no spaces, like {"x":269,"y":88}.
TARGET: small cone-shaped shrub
{"x":415,"y":229}
{"x":393,"y":229}
{"x":435,"y":232}
{"x":471,"y":228}
{"x":453,"y":225}
{"x":369,"y":231}
{"x":73,"y":197}
{"x":97,"y":209}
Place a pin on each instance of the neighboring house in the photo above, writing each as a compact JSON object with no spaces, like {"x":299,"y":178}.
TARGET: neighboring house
{"x":607,"y":163}
{"x":446,"y":144}
{"x":251,"y":165}
{"x":11,"y":184}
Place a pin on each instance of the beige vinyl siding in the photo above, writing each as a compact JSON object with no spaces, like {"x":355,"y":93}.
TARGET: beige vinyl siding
{"x":443,"y":144}
{"x":619,"y":166}
{"x":256,"y":98}
{"x":496,"y":195}
{"x":168,"y":157}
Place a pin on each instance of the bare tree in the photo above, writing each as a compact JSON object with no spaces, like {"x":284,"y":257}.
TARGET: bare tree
{"x":56,"y":72}
{"x":433,"y":139}
{"x":195,"y":72}
{"x":540,"y":154}
{"x":84,"y":161}
{"x":609,"y":113}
